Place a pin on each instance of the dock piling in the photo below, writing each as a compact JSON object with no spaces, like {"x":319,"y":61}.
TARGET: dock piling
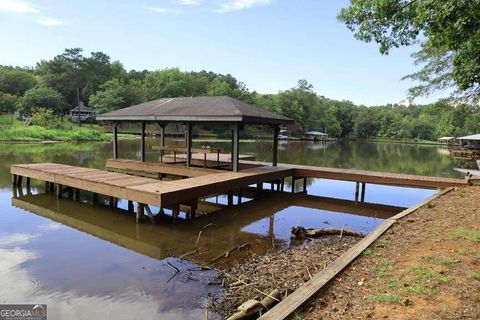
{"x":362,"y":196}
{"x":140,"y":212}
{"x":14,"y":180}
{"x":357,"y":186}
{"x":130,"y":206}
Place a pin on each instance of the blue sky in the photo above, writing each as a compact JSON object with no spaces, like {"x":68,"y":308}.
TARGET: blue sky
{"x":267,"y":44}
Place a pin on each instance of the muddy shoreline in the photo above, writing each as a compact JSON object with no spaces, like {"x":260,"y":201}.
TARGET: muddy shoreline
{"x":285,"y":270}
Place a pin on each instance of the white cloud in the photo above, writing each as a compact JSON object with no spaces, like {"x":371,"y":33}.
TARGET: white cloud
{"x":16,"y":239}
{"x":189,"y":2}
{"x":164,"y":10}
{"x":234,"y":5}
{"x":17,"y":6}
{"x":50,"y":22}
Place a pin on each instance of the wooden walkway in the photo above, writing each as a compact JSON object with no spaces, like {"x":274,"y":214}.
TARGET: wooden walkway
{"x":365,"y":176}
{"x":300,"y":171}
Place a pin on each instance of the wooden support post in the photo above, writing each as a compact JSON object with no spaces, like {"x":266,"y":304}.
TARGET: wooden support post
{"x":149,"y":214}
{"x":58,"y":190}
{"x":14,"y":180}
{"x":260,"y":186}
{"x":70,"y":192}
{"x":193,"y":209}
{"x":95,"y":198}
{"x":230,"y":198}
{"x":47,"y":186}
{"x":305,"y":184}
{"x":293,"y":184}
{"x":189,"y":135}
{"x":362,"y":197}
{"x":52,"y":187}
{"x":140,"y":210}
{"x":240,"y":193}
{"x":272,"y":186}
{"x":19,"y":181}
{"x":111,"y":202}
{"x":282,"y":185}
{"x":142,"y":141}
{"x":357,"y":185}
{"x":175,"y":212}
{"x":162,"y":139}
{"x":77,"y":194}
{"x":235,"y":147}
{"x":276,"y":131}
{"x":130,"y":206}
{"x":28,"y":181}
{"x":115,"y":140}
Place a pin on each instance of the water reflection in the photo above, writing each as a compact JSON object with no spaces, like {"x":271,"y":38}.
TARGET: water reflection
{"x":89,"y":261}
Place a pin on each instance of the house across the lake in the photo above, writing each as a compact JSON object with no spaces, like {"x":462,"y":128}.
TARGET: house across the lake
{"x":82,"y":113}
{"x":315,"y":136}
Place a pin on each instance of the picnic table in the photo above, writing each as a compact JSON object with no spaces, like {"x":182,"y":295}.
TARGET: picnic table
{"x":177,"y":149}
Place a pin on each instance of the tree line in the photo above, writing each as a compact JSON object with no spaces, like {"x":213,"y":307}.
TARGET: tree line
{"x":105,"y":85}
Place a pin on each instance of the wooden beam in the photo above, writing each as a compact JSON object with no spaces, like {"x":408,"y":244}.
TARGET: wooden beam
{"x":140,"y":211}
{"x":162,"y":138}
{"x":276,"y":131}
{"x":142,"y":141}
{"x":188,"y":137}
{"x":115,"y":140}
{"x":362,"y":196}
{"x":235,"y":147}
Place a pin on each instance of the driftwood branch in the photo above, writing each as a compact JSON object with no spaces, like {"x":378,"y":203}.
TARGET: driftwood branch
{"x":252,"y":308}
{"x":303,"y":233}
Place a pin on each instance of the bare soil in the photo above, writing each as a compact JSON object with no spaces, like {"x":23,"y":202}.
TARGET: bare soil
{"x":427,"y":266}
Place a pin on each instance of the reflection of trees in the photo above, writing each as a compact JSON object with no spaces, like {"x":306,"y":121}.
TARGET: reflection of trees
{"x":388,"y":157}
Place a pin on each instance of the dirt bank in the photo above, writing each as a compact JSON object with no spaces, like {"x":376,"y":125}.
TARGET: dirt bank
{"x":427,"y":266}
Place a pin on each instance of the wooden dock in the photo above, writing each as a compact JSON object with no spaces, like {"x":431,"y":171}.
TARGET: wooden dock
{"x":145,"y":191}
{"x":198,"y":182}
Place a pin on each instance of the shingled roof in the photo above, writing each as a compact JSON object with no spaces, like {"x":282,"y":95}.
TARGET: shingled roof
{"x":196,"y":109}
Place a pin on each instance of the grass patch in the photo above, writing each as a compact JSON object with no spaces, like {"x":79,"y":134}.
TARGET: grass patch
{"x":30,"y":133}
{"x":390,"y":298}
{"x":393,"y":283}
{"x":460,"y":251}
{"x":426,"y":274}
{"x":446,"y":261}
{"x":473,"y":275}
{"x":462,"y":233}
{"x":367,"y":252}
{"x":382,"y":273}
{"x":388,"y":262}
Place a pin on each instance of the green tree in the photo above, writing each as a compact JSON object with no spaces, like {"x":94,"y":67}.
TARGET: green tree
{"x":7,"y":103}
{"x":16,"y":81}
{"x":41,"y":97}
{"x":449,"y":31}
{"x":116,"y":94}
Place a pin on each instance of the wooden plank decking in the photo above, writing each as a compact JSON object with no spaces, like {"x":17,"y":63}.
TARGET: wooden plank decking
{"x":145,"y":190}
{"x":154,"y":168}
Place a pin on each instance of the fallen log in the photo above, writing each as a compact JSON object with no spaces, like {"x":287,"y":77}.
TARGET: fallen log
{"x":302,"y":233}
{"x":252,"y":308}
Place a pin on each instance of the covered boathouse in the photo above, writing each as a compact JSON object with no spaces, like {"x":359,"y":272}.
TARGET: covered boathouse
{"x":221,"y":111}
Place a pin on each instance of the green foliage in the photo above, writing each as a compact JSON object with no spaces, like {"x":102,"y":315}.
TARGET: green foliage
{"x":449,"y":29}
{"x":15,"y":81}
{"x":7,"y":102}
{"x":116,"y":94}
{"x":41,"y":97}
{"x":45,"y":118}
{"x":465,"y":234}
{"x":19,"y":133}
{"x":390,"y":298}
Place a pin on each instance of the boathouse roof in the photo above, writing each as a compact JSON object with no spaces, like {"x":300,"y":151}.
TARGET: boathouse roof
{"x":197,"y":109}
{"x":471,"y":137}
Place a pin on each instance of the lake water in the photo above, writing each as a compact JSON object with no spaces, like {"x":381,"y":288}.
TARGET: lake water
{"x":89,"y":261}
